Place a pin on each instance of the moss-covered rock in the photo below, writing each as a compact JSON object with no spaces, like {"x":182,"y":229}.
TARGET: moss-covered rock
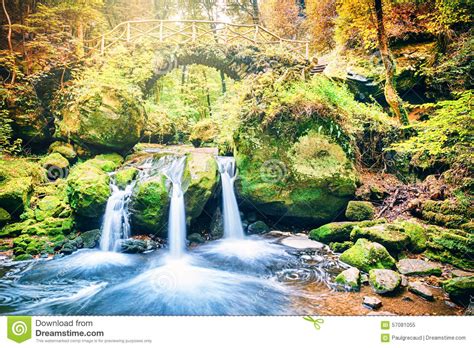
{"x":64,"y":149}
{"x":104,"y":116}
{"x":339,"y":247}
{"x":258,"y":227}
{"x":5,"y":217}
{"x":359,"y":211}
{"x":90,"y":239}
{"x":31,"y":245}
{"x":384,"y":280}
{"x":204,"y":132}
{"x":418,"y":267}
{"x":125,"y":176}
{"x":56,"y":166}
{"x":201,"y":174}
{"x":106,"y":162}
{"x":350,"y":278}
{"x":451,"y":246}
{"x":460,"y":288}
{"x":366,"y":255}
{"x":88,"y":187}
{"x":417,"y":234}
{"x":149,"y":206}
{"x":389,"y":235}
{"x":307,"y":181}
{"x":339,"y":231}
{"x":448,"y":213}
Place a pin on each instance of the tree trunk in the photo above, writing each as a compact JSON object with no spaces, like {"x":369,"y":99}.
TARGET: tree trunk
{"x":9,"y":39}
{"x":255,"y":12}
{"x":391,"y":94}
{"x":224,"y":86}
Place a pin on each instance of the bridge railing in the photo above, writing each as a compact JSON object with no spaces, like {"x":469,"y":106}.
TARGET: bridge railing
{"x":194,"y":31}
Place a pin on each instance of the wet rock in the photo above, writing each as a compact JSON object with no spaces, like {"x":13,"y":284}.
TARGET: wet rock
{"x":371,"y":302}
{"x":461,"y":273}
{"x":338,"y":247}
{"x":389,"y":235}
{"x":384,"y":280}
{"x":306,"y":258}
{"x":418,"y":267}
{"x":421,"y":290}
{"x":300,"y":242}
{"x":68,"y":248}
{"x":279,"y":234}
{"x":125,"y":176}
{"x":258,"y":227}
{"x":339,"y":231}
{"x":90,"y":238}
{"x":404,"y":281}
{"x":64,"y":149}
{"x":460,"y":289}
{"x":196,"y":238}
{"x":366,"y":255}
{"x":364,"y":279}
{"x":133,"y":246}
{"x":350,"y":278}
{"x":359,"y":211}
{"x":217,"y":225}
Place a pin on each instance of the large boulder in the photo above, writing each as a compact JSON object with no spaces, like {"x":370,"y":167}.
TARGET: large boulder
{"x":366,"y":255}
{"x":384,"y":280}
{"x":201,"y":174}
{"x":350,"y":279}
{"x":307,"y":180}
{"x":418,"y":267}
{"x":339,"y":231}
{"x":460,"y":289}
{"x":388,"y":235}
{"x":125,"y":176}
{"x":103,"y":116}
{"x":359,"y":211}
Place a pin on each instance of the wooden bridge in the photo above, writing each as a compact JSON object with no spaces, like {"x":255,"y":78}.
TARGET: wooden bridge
{"x":181,"y":32}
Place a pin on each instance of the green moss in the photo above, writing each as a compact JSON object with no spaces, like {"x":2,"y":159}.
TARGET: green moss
{"x":201,"y":173}
{"x":460,"y":288}
{"x":204,"y":132}
{"x":4,"y":217}
{"x":15,"y":195}
{"x":106,"y":162}
{"x":149,"y":206}
{"x":359,"y":211}
{"x":65,"y":149}
{"x":389,"y":235}
{"x":339,"y":231}
{"x":54,"y":160}
{"x":384,"y":281}
{"x":125,"y":176}
{"x":349,"y":278}
{"x":22,"y":257}
{"x":338,"y":247}
{"x":366,"y":255}
{"x":417,"y":235}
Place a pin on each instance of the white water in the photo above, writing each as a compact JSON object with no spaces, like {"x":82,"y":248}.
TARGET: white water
{"x":232,"y":223}
{"x":116,"y":225}
{"x":177,"y":213}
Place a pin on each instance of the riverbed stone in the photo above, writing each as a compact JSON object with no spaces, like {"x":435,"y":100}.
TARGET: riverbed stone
{"x":460,"y":288}
{"x":90,"y":238}
{"x":418,"y":267}
{"x":350,"y":278}
{"x":339,"y":231}
{"x":366,"y":255}
{"x":125,"y":176}
{"x":258,"y":227}
{"x":389,"y":235}
{"x":421,"y":290}
{"x":384,"y":280}
{"x":301,"y":242}
{"x":64,"y":149}
{"x":360,"y":211}
{"x":372,"y":302}
{"x":196,"y":238}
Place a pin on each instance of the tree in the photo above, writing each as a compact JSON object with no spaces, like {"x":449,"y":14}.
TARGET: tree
{"x":9,"y":39}
{"x":281,"y":17}
{"x":321,"y":15}
{"x":391,"y":94}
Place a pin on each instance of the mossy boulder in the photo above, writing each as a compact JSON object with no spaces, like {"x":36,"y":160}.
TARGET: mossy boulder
{"x":25,"y":246}
{"x":366,"y":255}
{"x":107,"y":162}
{"x":202,"y":178}
{"x":64,"y":149}
{"x":258,"y":227}
{"x":389,"y":235}
{"x":51,"y":206}
{"x":149,"y":206}
{"x":451,"y":246}
{"x":104,"y":116}
{"x":350,"y":279}
{"x":417,"y":234}
{"x":90,"y":239}
{"x":339,"y":247}
{"x":125,"y":176}
{"x":339,"y":231}
{"x":359,"y":211}
{"x":56,"y":166}
{"x":460,"y":288}
{"x":384,"y":280}
{"x":418,"y":267}
{"x":306,"y":181}
{"x":5,"y":217}
{"x":88,"y":188}
{"x":448,"y":213}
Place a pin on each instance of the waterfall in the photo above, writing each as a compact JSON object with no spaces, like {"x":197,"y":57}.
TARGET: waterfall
{"x":116,"y":224}
{"x":232,"y":222}
{"x":177,"y":213}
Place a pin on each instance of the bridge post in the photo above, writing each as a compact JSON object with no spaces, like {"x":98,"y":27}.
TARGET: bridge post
{"x":129,"y":30}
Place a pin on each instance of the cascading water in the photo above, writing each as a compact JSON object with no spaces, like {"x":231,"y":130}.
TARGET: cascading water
{"x":116,"y":224}
{"x":177,"y":213}
{"x":232,"y":223}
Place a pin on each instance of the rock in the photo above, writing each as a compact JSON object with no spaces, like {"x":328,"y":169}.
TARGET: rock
{"x":301,"y":242}
{"x":5,"y":217}
{"x":23,"y":257}
{"x":364,"y":279}
{"x":133,"y":246}
{"x":386,"y":234}
{"x":417,"y":234}
{"x":196,"y":238}
{"x":88,"y":188}
{"x":366,"y":255}
{"x":461,"y":273}
{"x":384,"y":280}
{"x":279,"y":234}
{"x":404,"y":281}
{"x":104,"y":116}
{"x":338,"y":231}
{"x":64,"y":149}
{"x":258,"y":227}
{"x":107,"y":162}
{"x":306,"y":180}
{"x":49,"y":227}
{"x":90,"y":238}
{"x":460,"y":289}
{"x":149,"y":206}
{"x":418,"y":267}
{"x":217,"y":225}
{"x":340,"y":247}
{"x":350,"y":278}
{"x":421,"y":290}
{"x":68,"y":248}
{"x":371,"y":302}
{"x":252,"y":217}
{"x":201,"y":172}
{"x":125,"y":176}
{"x":448,"y":213}
{"x":359,"y":211}
{"x":204,"y":132}
{"x":56,"y":166}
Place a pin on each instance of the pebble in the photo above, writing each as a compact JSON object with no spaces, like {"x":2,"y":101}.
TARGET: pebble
{"x":372,"y":302}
